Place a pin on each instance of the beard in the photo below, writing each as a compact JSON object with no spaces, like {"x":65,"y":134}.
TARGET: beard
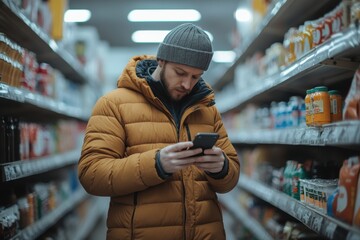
{"x":165,"y":83}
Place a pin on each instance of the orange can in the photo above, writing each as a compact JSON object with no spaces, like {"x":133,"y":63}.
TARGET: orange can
{"x":321,"y":106}
{"x":335,"y":106}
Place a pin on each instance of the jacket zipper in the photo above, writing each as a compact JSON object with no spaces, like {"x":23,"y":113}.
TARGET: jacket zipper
{"x":133,"y":215}
{"x":188,"y":132}
{"x":184,"y":207}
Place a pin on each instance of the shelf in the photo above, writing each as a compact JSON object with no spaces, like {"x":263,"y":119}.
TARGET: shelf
{"x":340,"y":134}
{"x":241,"y":215}
{"x":282,"y":15}
{"x":322,"y":224}
{"x":324,"y":64}
{"x":28,"y":35}
{"x":40,"y":226}
{"x":39,"y":102}
{"x":21,"y":169}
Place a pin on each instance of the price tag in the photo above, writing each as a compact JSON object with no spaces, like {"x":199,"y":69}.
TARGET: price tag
{"x":316,"y":223}
{"x":330,"y":230}
{"x":306,"y":217}
{"x":298,"y":135}
{"x":326,"y":136}
{"x":7,"y":173}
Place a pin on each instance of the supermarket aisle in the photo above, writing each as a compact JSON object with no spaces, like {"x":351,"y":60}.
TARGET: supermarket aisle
{"x":98,"y":231}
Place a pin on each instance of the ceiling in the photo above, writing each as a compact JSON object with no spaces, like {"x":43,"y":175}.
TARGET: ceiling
{"x":110,"y":19}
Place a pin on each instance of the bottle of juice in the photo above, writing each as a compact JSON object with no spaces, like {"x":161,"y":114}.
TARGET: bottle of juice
{"x":299,"y":42}
{"x":321,"y":106}
{"x":289,"y":45}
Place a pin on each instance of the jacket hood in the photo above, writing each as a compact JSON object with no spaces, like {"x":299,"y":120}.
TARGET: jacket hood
{"x":129,"y":78}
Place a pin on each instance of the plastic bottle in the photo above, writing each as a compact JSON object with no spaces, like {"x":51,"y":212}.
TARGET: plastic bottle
{"x":299,"y":173}
{"x":321,"y":106}
{"x":287,"y":176}
{"x":335,"y":106}
{"x":308,"y":36}
{"x":299,"y":42}
{"x":308,"y":107}
{"x":318,"y":32}
{"x":289,"y":45}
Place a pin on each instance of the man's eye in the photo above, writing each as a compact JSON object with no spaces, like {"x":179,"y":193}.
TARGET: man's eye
{"x":180,"y":74}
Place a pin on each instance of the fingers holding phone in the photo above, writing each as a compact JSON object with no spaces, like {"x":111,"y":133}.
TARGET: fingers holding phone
{"x":177,"y":156}
{"x":212,"y":161}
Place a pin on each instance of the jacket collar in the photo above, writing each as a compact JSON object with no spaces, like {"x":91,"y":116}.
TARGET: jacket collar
{"x":137,"y":77}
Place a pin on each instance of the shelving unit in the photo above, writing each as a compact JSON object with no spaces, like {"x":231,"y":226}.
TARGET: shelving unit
{"x":333,"y":64}
{"x":322,"y":224}
{"x":334,"y":60}
{"x":241,"y":215}
{"x":27,"y":34}
{"x":282,"y":15}
{"x":30,"y":106}
{"x":39,"y":227}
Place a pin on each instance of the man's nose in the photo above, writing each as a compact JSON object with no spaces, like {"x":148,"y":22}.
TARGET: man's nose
{"x":186,"y":83}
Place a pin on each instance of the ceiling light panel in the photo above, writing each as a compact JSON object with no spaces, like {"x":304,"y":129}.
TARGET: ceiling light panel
{"x":77,"y":15}
{"x":154,"y":36}
{"x":164,"y":15}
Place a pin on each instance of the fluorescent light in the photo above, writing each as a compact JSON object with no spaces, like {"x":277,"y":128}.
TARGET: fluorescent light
{"x":224,"y":56}
{"x":148,"y":36}
{"x":77,"y":15}
{"x":243,"y":15}
{"x":164,"y":15}
{"x":154,"y":36}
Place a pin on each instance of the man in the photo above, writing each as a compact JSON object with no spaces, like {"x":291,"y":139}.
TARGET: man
{"x":136,"y":147}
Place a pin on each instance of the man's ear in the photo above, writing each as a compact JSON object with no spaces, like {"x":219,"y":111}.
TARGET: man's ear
{"x":161,"y":62}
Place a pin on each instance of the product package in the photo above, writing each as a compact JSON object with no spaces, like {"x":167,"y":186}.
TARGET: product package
{"x":351,"y":109}
{"x":348,"y":188}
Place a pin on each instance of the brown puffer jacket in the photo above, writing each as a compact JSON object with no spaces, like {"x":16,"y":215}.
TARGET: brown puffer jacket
{"x":128,"y":126}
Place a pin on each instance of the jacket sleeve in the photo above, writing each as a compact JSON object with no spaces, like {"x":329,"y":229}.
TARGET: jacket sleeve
{"x":230,"y":179}
{"x":103,"y":168}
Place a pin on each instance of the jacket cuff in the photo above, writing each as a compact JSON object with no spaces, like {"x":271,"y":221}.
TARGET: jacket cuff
{"x":223,"y":172}
{"x":159,"y":169}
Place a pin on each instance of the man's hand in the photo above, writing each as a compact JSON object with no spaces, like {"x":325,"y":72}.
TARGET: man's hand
{"x":176,"y":156}
{"x":212,"y":161}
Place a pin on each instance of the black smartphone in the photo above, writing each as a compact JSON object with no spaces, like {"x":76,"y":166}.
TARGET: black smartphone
{"x":205,"y":140}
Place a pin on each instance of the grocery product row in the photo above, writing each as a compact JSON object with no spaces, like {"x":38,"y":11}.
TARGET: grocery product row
{"x":49,"y":82}
{"x":21,"y":25}
{"x":31,"y":208}
{"x":332,"y":60}
{"x":280,"y":17}
{"x":320,"y":192}
{"x":259,"y":220}
{"x":23,"y":75}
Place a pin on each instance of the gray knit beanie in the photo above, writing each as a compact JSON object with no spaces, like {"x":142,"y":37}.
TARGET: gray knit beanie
{"x":187,"y":44}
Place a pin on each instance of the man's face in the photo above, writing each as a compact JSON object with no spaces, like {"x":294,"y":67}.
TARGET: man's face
{"x":178,"y":79}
